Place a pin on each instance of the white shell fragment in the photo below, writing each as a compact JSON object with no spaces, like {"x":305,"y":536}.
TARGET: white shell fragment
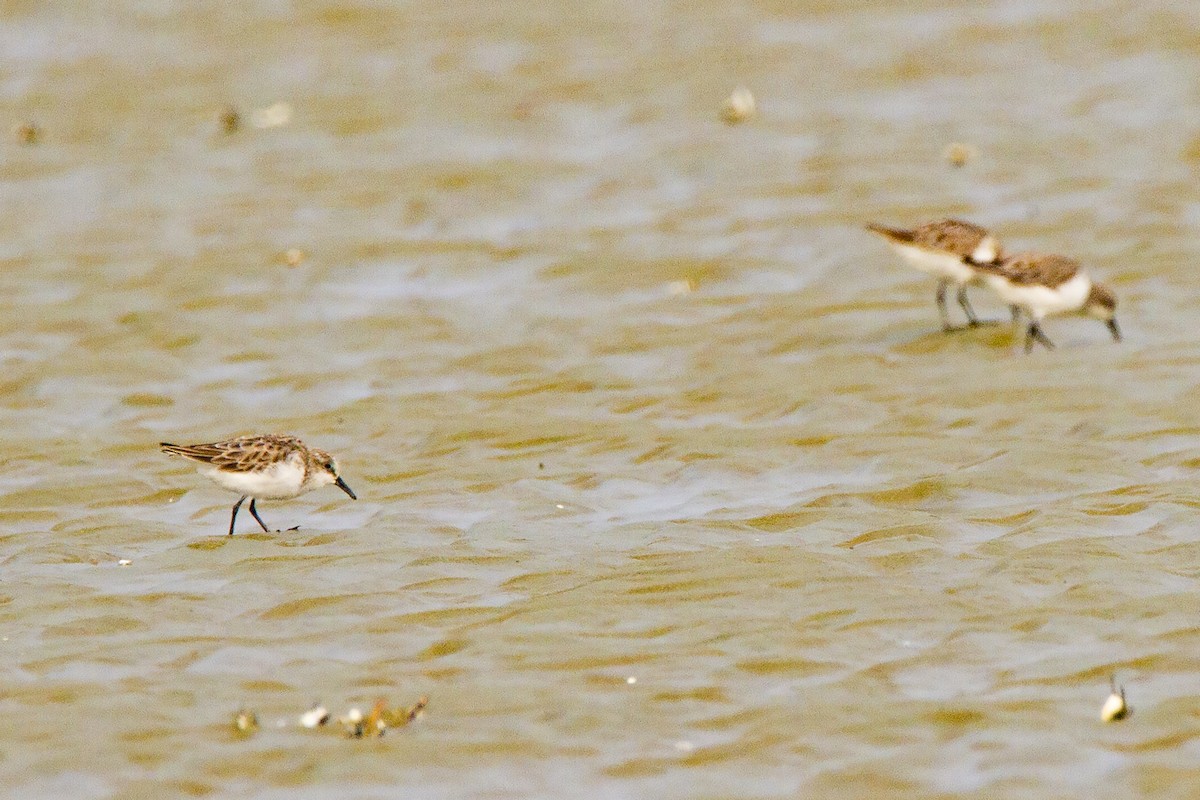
{"x":273,"y":116}
{"x":739,"y":106}
{"x":124,"y":562}
{"x":1115,"y":707}
{"x":315,"y":717}
{"x":353,"y":723}
{"x":245,"y":722}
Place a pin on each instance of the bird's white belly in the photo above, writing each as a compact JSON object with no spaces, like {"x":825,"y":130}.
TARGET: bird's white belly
{"x":277,"y":482}
{"x":1042,"y":301}
{"x":943,"y":265}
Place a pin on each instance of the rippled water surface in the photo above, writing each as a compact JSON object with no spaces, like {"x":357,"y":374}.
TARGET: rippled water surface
{"x":669,"y":485}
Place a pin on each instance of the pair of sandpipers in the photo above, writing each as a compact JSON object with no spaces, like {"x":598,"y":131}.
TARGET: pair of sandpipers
{"x":282,"y":467}
{"x":1039,"y":284}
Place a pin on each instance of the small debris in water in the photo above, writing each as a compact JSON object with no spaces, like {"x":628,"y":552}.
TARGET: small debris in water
{"x":375,"y":722}
{"x":245,"y":722}
{"x":739,"y":106}
{"x":684,"y":746}
{"x":353,"y":722}
{"x":27,"y":132}
{"x":1115,"y":707}
{"x":381,"y":718}
{"x":231,"y":120}
{"x":294,"y":256}
{"x":631,"y":680}
{"x":416,"y":710}
{"x":676,"y":288}
{"x":315,"y":717}
{"x":124,"y":562}
{"x":958,"y":153}
{"x":399,"y":717}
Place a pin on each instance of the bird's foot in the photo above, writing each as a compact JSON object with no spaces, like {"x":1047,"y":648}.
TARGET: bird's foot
{"x":975,"y":323}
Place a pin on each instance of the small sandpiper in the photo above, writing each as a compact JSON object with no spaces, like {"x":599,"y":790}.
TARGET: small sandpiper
{"x":270,"y":467}
{"x":1044,"y":285}
{"x":948,"y":249}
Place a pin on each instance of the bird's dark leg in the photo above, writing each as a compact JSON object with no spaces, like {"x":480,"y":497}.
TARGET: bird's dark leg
{"x":941,"y":304}
{"x":1112,"y":327}
{"x":254,"y":511}
{"x":1035,"y":333}
{"x":1016,"y":315}
{"x":236,"y":506}
{"x":972,"y":320}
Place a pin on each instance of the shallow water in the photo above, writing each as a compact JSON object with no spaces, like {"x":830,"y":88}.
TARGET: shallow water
{"x":669,"y":486}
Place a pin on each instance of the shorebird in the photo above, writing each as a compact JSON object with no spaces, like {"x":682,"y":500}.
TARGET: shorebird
{"x":950,"y":250}
{"x":1044,"y":285}
{"x":269,"y":467}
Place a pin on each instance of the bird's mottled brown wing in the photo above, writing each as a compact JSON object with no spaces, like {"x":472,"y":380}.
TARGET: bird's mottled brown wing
{"x":951,"y":235}
{"x":242,"y":454}
{"x":1039,"y":269}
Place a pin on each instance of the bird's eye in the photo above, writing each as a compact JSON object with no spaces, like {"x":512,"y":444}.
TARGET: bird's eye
{"x":329,"y":466}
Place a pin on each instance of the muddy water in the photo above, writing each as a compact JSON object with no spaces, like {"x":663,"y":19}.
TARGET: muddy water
{"x":668,"y":485}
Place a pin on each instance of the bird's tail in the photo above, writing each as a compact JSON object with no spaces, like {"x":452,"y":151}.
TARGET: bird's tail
{"x":891,"y":234}
{"x":195,"y":452}
{"x":989,"y":267}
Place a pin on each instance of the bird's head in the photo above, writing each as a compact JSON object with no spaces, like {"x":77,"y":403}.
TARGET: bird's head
{"x":1101,"y":303}
{"x":323,"y":470}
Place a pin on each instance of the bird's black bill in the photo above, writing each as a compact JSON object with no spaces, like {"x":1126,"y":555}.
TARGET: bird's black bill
{"x":1116,"y":331}
{"x":341,"y":484}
